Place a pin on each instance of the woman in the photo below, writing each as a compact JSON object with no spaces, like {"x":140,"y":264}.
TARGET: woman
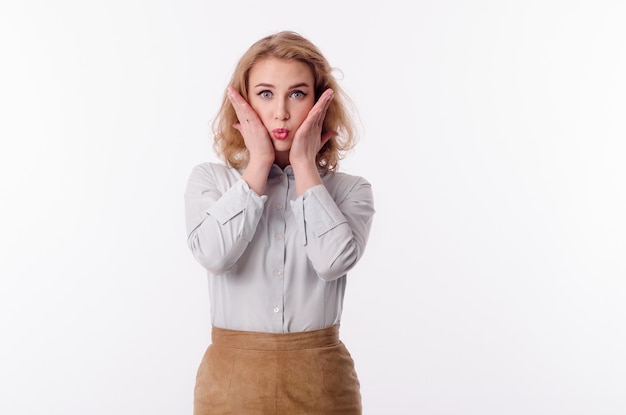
{"x":278,"y":227}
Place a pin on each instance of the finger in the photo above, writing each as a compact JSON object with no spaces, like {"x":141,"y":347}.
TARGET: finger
{"x":240,"y":105}
{"x":316,"y":116}
{"x":324,"y":102}
{"x":234,"y":96}
{"x":327,"y":136}
{"x":325,"y":97}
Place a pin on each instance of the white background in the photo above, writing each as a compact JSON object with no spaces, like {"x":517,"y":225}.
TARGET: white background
{"x":493,"y":136}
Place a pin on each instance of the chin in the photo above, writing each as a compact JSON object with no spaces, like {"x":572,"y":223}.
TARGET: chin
{"x":282,"y":145}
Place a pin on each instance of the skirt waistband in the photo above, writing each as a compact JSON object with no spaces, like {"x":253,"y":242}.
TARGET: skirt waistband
{"x":253,"y":340}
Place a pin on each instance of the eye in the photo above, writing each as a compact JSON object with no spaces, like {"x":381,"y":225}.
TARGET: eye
{"x":298,"y":94}
{"x":265,"y":94}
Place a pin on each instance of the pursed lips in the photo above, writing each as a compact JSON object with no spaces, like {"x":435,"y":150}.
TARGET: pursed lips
{"x":280,"y":133}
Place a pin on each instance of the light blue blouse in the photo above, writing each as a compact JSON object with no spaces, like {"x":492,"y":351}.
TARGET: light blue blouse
{"x":276,"y":263}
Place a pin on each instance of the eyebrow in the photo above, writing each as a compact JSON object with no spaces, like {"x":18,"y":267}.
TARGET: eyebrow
{"x":299,"y":85}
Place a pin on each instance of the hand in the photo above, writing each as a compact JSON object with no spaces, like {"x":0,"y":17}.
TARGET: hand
{"x":309,"y":139}
{"x":254,"y":133}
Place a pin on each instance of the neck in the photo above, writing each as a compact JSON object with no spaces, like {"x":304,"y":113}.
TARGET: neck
{"x":282,"y":159}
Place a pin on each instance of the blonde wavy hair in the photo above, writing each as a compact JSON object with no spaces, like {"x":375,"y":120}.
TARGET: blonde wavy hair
{"x":229,"y":143}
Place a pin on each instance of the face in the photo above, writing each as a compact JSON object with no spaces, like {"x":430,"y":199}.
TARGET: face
{"x":282,"y":94}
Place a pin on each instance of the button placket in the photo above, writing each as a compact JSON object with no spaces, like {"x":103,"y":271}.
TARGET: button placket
{"x":277,"y":220}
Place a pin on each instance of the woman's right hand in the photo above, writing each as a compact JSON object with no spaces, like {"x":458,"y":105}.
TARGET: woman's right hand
{"x":257,"y":141}
{"x":254,"y":133}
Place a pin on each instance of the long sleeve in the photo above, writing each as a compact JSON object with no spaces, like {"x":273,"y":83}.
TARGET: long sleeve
{"x":276,"y":262}
{"x":335,"y":228}
{"x":222,"y":214}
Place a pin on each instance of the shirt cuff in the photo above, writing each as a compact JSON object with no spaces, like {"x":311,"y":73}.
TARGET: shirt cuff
{"x":316,"y":212}
{"x":239,"y":201}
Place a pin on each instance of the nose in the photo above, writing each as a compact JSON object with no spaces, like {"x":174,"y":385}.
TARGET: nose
{"x":281,"y":112}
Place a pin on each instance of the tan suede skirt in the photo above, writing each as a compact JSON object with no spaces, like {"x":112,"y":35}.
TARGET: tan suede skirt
{"x":244,"y":373}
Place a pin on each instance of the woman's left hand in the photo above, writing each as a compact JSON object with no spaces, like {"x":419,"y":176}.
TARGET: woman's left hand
{"x":309,"y":139}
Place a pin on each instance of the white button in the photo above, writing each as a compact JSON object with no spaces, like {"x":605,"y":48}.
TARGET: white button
{"x":282,"y":177}
{"x":279,"y":206}
{"x":277,"y":273}
{"x":276,"y":309}
{"x":279,"y":237}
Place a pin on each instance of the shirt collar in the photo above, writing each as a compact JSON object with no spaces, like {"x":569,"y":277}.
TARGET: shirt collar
{"x":276,"y":171}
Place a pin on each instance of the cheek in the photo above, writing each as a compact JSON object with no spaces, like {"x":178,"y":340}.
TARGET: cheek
{"x":261,"y":111}
{"x":302,"y":112}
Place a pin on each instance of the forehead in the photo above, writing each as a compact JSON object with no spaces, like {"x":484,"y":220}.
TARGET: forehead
{"x":280,"y":72}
